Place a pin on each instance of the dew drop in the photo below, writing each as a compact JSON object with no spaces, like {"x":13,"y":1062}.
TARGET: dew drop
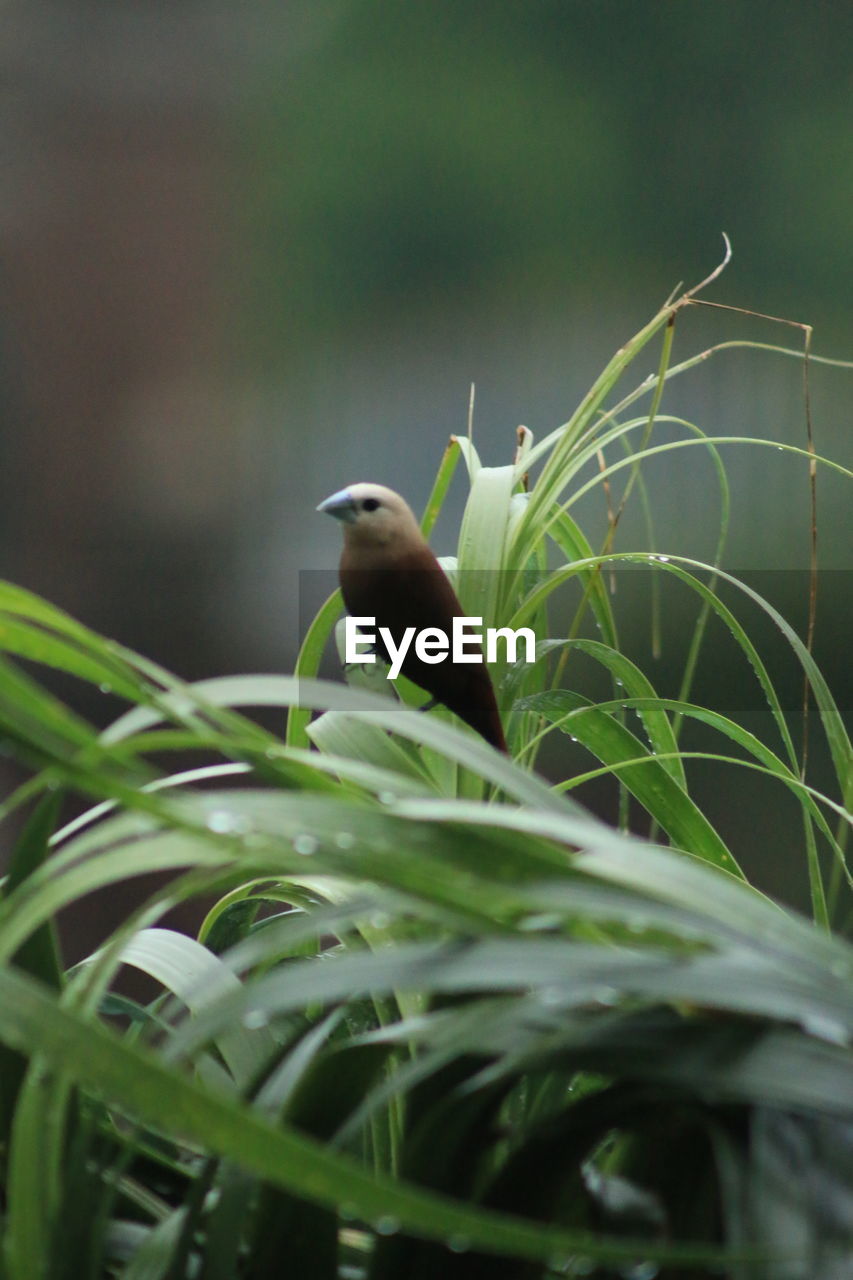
{"x":386,"y":797}
{"x":254,"y":1019}
{"x":387,"y":1225}
{"x":543,"y":920}
{"x":349,"y":1211}
{"x":305,"y":844}
{"x":640,"y":1271}
{"x":105,"y":687}
{"x":458,"y":1243}
{"x":606,"y":995}
{"x":380,"y":920}
{"x":345,"y":840}
{"x":225,"y":823}
{"x":221,"y":822}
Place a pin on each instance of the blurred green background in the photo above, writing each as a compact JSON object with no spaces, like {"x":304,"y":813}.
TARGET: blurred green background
{"x":251,"y":253}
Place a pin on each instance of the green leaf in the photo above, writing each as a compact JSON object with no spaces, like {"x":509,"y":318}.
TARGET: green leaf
{"x":199,"y":978}
{"x":31,"y":1021}
{"x":38,"y":955}
{"x":650,"y":783}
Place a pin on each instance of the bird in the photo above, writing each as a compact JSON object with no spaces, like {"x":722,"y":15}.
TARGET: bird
{"x":389,"y":573}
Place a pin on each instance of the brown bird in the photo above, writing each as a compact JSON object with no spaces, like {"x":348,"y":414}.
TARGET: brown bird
{"x":388,"y":573}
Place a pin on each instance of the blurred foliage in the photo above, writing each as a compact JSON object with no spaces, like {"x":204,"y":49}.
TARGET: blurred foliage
{"x":418,"y":152}
{"x":438,"y":1019}
{"x":246,"y":245}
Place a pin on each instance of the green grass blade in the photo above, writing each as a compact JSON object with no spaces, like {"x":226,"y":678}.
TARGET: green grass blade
{"x":652,"y":784}
{"x":30,"y":1021}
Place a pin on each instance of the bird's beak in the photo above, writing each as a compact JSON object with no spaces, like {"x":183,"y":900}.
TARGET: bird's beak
{"x":340,"y":505}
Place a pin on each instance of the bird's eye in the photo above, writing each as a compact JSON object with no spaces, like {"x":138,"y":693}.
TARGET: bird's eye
{"x":370,"y":504}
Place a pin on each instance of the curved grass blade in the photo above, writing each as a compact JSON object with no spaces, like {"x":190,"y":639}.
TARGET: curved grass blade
{"x":135,"y":1080}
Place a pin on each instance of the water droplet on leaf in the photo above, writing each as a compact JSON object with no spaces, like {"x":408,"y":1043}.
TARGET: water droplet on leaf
{"x":254,"y":1019}
{"x":387,"y":1225}
{"x":458,"y":1244}
{"x":305,"y":844}
{"x":221,"y":821}
{"x":640,"y":1271}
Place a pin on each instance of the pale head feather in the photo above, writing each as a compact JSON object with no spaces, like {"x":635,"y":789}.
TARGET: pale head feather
{"x":372,"y":515}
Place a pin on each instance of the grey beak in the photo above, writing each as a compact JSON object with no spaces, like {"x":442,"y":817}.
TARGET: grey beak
{"x":340,"y":505}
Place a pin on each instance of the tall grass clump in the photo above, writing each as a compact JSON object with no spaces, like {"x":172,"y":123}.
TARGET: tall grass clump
{"x":438,"y":1019}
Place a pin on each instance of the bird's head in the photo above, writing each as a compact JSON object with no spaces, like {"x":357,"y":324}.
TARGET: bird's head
{"x":372,"y":515}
